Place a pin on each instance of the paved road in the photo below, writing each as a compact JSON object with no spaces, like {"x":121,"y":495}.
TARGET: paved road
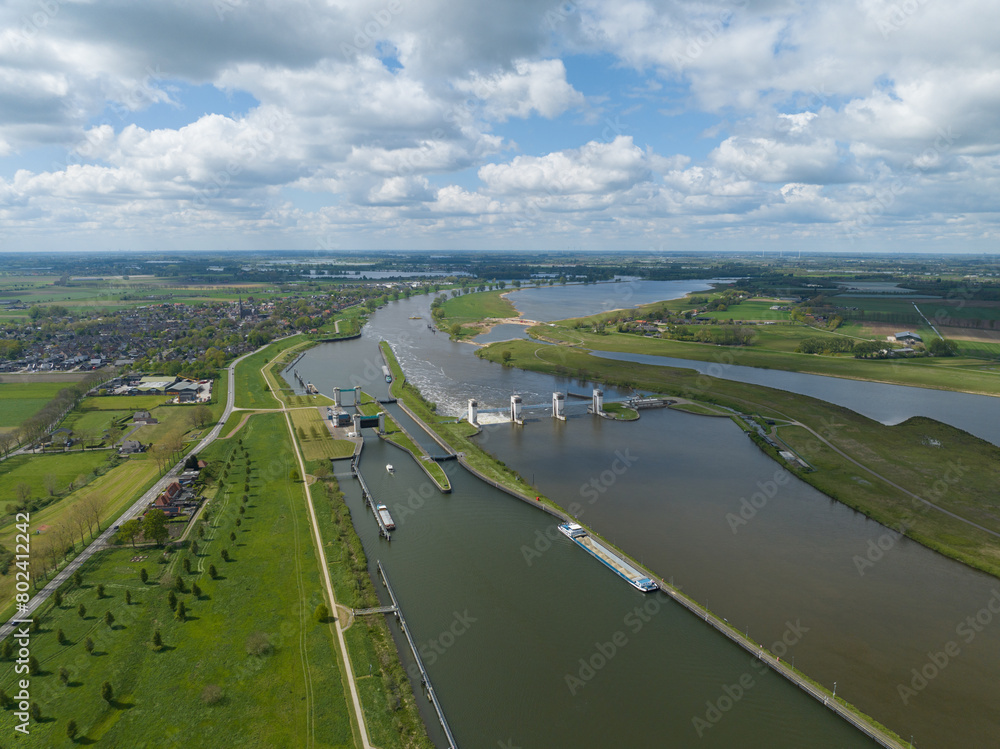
{"x":137,"y":508}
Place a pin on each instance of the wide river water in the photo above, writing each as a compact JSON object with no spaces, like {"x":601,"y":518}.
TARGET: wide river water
{"x":541,"y":604}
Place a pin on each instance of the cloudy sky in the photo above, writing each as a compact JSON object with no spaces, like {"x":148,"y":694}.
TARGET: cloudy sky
{"x":621,"y":124}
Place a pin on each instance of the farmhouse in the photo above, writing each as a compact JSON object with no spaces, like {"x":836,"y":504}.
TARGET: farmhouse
{"x":905,"y":337}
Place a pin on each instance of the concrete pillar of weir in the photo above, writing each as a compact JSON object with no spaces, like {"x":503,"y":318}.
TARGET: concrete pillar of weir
{"x":559,"y":406}
{"x":336,"y":397}
{"x":598,"y":404}
{"x":381,"y":422}
{"x":473,"y":412}
{"x":515,"y":409}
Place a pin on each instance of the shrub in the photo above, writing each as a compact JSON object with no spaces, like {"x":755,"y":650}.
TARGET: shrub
{"x":258,"y":644}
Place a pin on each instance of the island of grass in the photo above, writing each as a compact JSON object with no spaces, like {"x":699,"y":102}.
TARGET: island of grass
{"x":469,"y":315}
{"x":885,"y":472}
{"x":621,"y":412}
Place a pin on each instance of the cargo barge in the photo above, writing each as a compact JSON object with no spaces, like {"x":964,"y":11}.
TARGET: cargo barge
{"x":578,"y":534}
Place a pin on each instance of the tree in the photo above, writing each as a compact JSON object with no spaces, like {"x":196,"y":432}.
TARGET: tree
{"x":36,"y":712}
{"x":51,"y":483}
{"x":78,"y":579}
{"x":128,"y":532}
{"x":64,"y":674}
{"x":942,"y":347}
{"x":172,"y":600}
{"x":34,"y":667}
{"x":71,"y":730}
{"x":88,"y":645}
{"x":78,"y":517}
{"x":109,"y":619}
{"x":93,"y":507}
{"x":157,"y":639}
{"x":187,"y":565}
{"x":225,"y":555}
{"x":322,"y":613}
{"x":128,"y":598}
{"x":200,"y":416}
{"x":61,"y":637}
{"x":195,"y":590}
{"x":181,"y":611}
{"x":194,"y":548}
{"x":154,"y":526}
{"x":212,"y":572}
{"x":143,"y":575}
{"x":82,"y":611}
{"x":22,"y":492}
{"x":57,"y":598}
{"x":5,"y":700}
{"x":6,"y":650}
{"x":107,"y":693}
{"x":100,"y":590}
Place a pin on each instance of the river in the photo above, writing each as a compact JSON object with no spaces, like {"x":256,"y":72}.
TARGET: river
{"x":791,"y":568}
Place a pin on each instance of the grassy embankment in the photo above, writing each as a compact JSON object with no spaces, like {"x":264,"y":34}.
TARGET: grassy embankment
{"x":277,"y":384}
{"x":249,"y":664}
{"x":387,"y":700}
{"x":470,"y":310}
{"x":456,"y":433}
{"x":775,"y":350}
{"x":919,"y":455}
{"x":252,"y":390}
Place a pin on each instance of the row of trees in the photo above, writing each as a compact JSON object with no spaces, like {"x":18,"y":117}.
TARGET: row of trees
{"x":39,"y":425}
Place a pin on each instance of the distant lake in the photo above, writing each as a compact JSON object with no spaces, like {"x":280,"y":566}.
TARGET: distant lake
{"x":548,"y":303}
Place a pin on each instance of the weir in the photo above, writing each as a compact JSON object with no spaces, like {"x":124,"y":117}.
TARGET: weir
{"x":425,"y":680}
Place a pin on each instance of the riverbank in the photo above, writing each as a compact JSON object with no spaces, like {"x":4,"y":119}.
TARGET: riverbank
{"x":928,"y":479}
{"x":960,"y":375}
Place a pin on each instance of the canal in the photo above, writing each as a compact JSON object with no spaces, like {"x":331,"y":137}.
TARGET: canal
{"x":789,"y":573}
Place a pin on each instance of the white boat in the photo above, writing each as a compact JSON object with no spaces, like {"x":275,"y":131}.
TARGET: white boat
{"x":389,"y":468}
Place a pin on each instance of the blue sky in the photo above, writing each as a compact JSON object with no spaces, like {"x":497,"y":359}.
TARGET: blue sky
{"x":758,"y":125}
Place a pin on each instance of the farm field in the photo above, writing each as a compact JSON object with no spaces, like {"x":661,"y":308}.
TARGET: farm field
{"x":31,"y":470}
{"x":956,"y":373}
{"x":122,"y":402}
{"x":19,"y":401}
{"x":249,"y":660}
{"x":175,"y":423}
{"x":751,"y":309}
{"x":119,"y":488}
{"x":93,"y":421}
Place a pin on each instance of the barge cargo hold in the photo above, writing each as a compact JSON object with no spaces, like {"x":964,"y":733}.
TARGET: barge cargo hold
{"x":619,"y":566}
{"x":383,"y":512}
